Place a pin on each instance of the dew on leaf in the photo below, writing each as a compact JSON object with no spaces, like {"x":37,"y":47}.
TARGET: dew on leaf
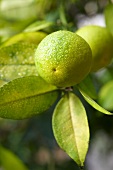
{"x":19,"y":102}
{"x":17,"y":60}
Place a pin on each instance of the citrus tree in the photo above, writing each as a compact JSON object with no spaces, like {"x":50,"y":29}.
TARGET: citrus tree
{"x":38,"y":70}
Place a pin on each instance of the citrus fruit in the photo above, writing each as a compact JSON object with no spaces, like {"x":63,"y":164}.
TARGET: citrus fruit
{"x":101,"y":43}
{"x":63,"y":58}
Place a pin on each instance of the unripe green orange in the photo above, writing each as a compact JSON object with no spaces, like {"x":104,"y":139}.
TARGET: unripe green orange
{"x":101,"y":43}
{"x":63,"y":58}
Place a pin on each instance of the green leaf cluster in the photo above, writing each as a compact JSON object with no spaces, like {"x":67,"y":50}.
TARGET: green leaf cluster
{"x":24,"y":94}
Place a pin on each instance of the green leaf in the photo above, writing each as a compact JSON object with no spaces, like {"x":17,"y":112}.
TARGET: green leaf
{"x":105,"y":96}
{"x":26,"y":97}
{"x":19,"y":11}
{"x":38,"y":25}
{"x":30,"y":37}
{"x":62,"y":14}
{"x":88,"y":87}
{"x":17,"y":60}
{"x":70,"y":127}
{"x":2,"y":82}
{"x":10,"y":161}
{"x":108,"y":13}
{"x":94,"y":104}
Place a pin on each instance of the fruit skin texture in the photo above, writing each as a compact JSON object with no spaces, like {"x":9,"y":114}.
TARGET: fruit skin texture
{"x":63,"y":58}
{"x":101,"y":43}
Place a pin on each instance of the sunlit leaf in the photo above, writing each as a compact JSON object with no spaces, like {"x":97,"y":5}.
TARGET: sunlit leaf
{"x":105,"y":96}
{"x":31,"y":37}
{"x":2,"y":82}
{"x":17,"y":60}
{"x":70,"y":127}
{"x":25,"y":97}
{"x":15,"y":16}
{"x":94,"y":104}
{"x":19,"y":10}
{"x":10,"y":161}
{"x":108,"y":12}
{"x":38,"y":25}
{"x":88,"y":87}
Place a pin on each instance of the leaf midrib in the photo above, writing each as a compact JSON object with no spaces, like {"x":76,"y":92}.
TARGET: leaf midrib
{"x":17,"y":64}
{"x":27,"y":97}
{"x":73,"y":128}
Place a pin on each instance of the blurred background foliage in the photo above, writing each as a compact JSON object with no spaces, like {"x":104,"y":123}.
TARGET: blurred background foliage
{"x":32,"y":140}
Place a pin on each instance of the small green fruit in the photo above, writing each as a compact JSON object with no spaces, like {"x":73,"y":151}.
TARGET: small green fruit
{"x":63,"y":58}
{"x":101,"y":43}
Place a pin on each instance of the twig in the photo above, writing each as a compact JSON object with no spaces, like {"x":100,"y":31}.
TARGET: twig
{"x":81,"y":167}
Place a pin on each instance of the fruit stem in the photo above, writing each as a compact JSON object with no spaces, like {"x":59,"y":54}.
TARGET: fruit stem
{"x":69,"y":89}
{"x":66,"y":90}
{"x":81,"y":167}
